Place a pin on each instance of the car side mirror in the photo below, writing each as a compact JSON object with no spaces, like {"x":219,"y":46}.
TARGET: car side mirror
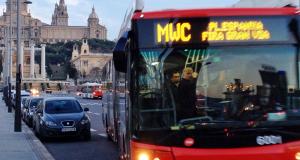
{"x":86,"y":109}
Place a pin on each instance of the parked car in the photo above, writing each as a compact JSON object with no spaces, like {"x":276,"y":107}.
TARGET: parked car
{"x":13,"y":96}
{"x":61,"y":116}
{"x":24,"y":102}
{"x":29,"y":109}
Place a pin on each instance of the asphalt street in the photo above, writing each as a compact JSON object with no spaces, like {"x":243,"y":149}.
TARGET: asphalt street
{"x":99,"y":147}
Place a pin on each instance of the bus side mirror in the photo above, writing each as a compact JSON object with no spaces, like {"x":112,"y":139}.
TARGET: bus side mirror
{"x":120,"y":54}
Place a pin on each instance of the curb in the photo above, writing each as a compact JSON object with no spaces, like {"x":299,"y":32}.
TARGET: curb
{"x":37,"y":146}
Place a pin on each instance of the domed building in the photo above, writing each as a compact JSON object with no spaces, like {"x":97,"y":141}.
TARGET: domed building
{"x":33,"y":32}
{"x":58,"y":31}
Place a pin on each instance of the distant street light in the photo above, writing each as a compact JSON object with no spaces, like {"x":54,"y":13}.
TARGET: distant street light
{"x":18,"y":127}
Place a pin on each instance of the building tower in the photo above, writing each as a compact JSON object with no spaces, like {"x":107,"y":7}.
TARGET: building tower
{"x":11,"y":7}
{"x":93,"y":23}
{"x":60,"y":16}
{"x":75,"y":53}
{"x":85,"y":49}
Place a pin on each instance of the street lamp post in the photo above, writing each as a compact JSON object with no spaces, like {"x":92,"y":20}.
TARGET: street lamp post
{"x":9,"y":61}
{"x":18,"y":127}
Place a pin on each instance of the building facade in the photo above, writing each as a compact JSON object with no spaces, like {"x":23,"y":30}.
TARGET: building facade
{"x":39,"y":32}
{"x":86,"y":62}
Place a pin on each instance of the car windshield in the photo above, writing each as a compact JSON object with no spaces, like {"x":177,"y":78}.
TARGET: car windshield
{"x":218,"y":84}
{"x":34,"y":103}
{"x":62,"y":106}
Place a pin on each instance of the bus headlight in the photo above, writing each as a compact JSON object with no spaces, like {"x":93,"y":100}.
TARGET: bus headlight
{"x":141,"y":151}
{"x":297,"y":156}
{"x":143,"y":156}
{"x":152,"y":155}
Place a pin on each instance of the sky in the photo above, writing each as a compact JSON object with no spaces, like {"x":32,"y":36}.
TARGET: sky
{"x":111,"y":12}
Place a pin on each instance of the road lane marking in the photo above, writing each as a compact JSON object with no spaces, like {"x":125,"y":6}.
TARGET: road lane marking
{"x":102,"y":135}
{"x":93,"y":130}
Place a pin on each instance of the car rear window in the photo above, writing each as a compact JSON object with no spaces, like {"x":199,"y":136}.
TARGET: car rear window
{"x":62,"y":106}
{"x":34,"y":102}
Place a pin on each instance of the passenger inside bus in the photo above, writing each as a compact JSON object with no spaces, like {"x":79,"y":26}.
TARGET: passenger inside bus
{"x":174,"y":88}
{"x":187,"y":94}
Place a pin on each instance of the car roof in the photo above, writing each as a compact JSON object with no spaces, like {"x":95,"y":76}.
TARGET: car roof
{"x":59,"y":98}
{"x":23,"y":92}
{"x":32,"y":97}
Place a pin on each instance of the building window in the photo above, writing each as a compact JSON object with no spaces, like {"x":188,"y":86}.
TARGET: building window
{"x":27,"y":60}
{"x":97,"y":33}
{"x":85,"y":63}
{"x":26,"y":43}
{"x":35,"y":32}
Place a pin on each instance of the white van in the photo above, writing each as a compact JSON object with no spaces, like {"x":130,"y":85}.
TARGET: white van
{"x":13,"y":96}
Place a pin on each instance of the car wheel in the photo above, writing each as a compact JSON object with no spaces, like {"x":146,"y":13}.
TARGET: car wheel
{"x":41,"y":135}
{"x":30,"y":123}
{"x":87,"y":136}
{"x":34,"y":129}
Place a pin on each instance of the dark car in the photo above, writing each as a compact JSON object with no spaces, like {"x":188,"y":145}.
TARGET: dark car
{"x":61,"y":116}
{"x":29,"y":108}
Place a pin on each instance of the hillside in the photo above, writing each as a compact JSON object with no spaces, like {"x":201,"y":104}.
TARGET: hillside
{"x":61,"y":53}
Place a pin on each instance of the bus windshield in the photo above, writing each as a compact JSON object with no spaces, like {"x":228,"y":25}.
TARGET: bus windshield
{"x":180,"y":86}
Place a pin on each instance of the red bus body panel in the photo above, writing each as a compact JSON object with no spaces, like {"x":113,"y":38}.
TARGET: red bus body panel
{"x":271,"y":152}
{"x":285,"y":151}
{"x":215,"y":13}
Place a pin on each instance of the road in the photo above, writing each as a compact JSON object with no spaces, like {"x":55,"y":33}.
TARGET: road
{"x":99,"y":147}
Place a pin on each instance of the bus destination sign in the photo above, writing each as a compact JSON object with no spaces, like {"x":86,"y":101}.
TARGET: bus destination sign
{"x":216,"y":31}
{"x":235,"y":31}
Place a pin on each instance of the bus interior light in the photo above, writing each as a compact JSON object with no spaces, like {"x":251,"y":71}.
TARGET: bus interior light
{"x":154,"y":63}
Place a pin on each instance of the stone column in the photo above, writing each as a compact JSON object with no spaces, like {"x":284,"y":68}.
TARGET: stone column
{"x":43,"y":61}
{"x":22,"y":59}
{"x":32,"y":60}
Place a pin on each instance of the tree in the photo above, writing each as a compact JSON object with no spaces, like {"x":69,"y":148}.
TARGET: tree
{"x":61,"y":53}
{"x":71,"y":70}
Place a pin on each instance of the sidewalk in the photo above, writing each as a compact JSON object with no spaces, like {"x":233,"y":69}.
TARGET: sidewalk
{"x":19,"y":145}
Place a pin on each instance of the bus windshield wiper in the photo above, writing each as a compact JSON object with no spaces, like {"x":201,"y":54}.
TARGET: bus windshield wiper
{"x":202,"y":123}
{"x":206,"y":122}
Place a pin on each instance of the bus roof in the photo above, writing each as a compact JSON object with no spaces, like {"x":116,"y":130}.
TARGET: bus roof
{"x":216,"y":12}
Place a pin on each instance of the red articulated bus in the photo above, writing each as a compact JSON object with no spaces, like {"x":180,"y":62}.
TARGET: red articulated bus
{"x":208,"y":84}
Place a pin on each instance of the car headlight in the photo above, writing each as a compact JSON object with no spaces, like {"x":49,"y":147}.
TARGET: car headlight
{"x":85,"y":120}
{"x":50,"y":124}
